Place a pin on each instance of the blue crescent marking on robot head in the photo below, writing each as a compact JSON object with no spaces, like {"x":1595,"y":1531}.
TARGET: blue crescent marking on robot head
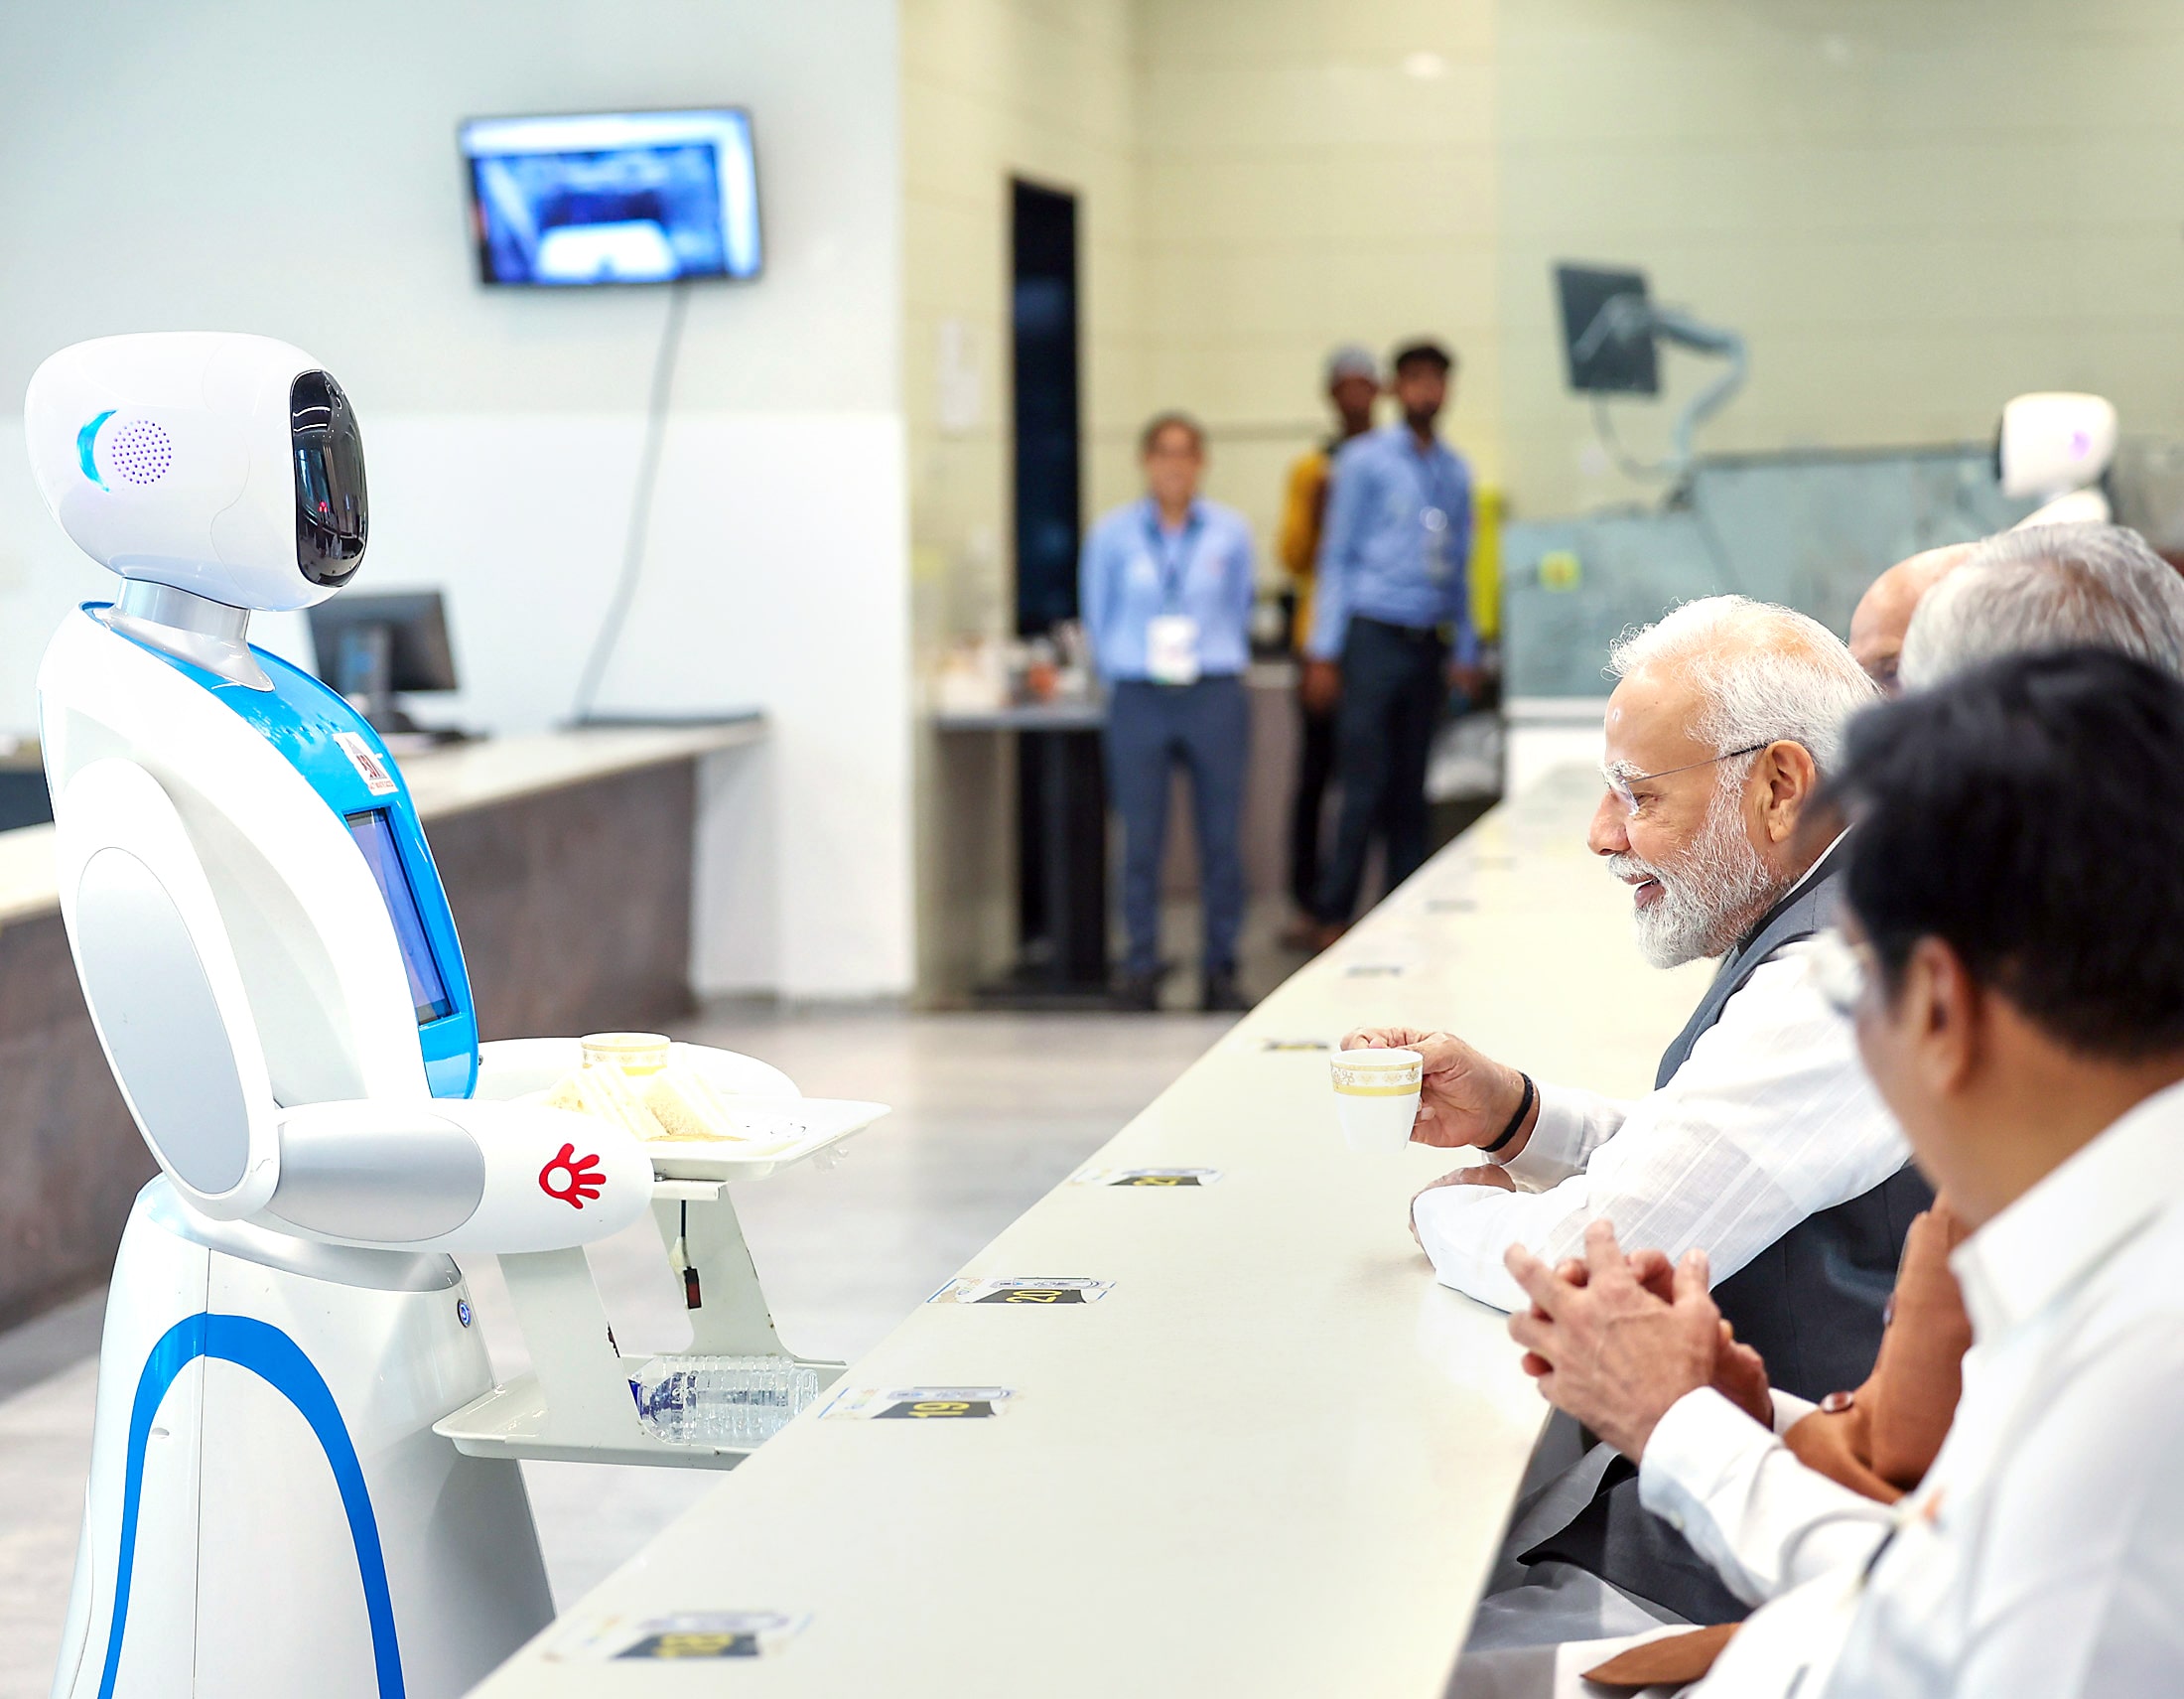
{"x":85,"y":440}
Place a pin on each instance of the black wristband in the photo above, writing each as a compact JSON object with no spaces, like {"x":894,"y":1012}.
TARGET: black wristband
{"x":1524,"y":1109}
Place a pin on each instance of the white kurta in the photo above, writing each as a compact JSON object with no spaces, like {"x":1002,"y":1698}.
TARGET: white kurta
{"x":1770,"y":1119}
{"x":2043,"y":1555}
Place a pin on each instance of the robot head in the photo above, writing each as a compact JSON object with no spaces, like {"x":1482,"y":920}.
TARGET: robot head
{"x":227,"y":466}
{"x":2051,"y":445}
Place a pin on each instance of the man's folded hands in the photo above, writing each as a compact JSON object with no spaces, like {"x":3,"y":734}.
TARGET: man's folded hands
{"x":1614,"y":1340}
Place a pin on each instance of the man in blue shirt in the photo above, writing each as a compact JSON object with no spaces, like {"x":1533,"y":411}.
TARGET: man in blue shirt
{"x":1393,"y":573}
{"x":1165,"y":590}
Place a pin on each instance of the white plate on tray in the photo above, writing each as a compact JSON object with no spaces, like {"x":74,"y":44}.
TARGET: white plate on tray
{"x":516,"y":1068}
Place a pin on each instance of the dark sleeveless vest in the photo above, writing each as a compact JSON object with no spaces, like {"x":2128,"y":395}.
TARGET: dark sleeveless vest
{"x":1812,"y":1304}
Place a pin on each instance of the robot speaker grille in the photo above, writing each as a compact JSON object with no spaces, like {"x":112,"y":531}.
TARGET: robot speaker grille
{"x":142,"y":451}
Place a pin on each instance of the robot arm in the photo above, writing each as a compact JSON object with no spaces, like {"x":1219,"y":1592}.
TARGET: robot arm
{"x":169,"y":1003}
{"x":455,"y":1175}
{"x":164,"y":991}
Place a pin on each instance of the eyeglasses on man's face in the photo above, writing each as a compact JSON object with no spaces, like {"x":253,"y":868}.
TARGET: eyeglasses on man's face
{"x":1623,"y":784}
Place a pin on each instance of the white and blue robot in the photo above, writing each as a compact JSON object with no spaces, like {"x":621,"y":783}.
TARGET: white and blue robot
{"x":274,"y":973}
{"x":2055,"y":448}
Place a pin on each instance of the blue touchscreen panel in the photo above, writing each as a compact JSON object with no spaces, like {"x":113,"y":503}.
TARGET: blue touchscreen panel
{"x":374,"y":836}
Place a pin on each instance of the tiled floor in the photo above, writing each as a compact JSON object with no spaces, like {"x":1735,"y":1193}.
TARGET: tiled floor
{"x":990,"y":1111}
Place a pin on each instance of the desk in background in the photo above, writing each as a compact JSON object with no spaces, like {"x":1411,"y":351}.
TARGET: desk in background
{"x":569,"y":861}
{"x":1276,"y":1458}
{"x":1062,"y":839}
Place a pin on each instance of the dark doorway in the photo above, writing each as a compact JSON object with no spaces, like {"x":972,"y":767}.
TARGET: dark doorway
{"x":1042,"y":317}
{"x":1062,"y":801}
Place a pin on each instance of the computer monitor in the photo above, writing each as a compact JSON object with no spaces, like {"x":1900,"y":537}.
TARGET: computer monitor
{"x":596,"y":198}
{"x":1597,"y":362}
{"x":369,"y":647}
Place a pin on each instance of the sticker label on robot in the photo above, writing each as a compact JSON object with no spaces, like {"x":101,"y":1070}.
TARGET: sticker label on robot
{"x":917,"y":1403}
{"x":1149,"y":1177}
{"x":575,"y":1180}
{"x":366,"y":760}
{"x":685,"y":1637}
{"x":1047,"y":1289}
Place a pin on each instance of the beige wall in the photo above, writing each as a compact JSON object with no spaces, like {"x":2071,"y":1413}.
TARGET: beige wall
{"x":1912,"y":210}
{"x":1042,"y":89}
{"x":1313,"y":171}
{"x":993,"y":90}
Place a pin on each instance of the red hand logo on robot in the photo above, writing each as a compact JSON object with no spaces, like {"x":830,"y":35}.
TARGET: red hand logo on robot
{"x":582,"y":1179}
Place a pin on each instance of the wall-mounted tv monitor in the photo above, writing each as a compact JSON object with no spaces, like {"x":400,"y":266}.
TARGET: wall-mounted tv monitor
{"x":614,"y":196}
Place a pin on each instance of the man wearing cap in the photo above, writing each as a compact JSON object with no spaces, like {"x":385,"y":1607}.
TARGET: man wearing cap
{"x":1353,"y":386}
{"x":1393,"y":576}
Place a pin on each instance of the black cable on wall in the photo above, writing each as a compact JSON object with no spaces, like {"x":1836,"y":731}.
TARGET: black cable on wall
{"x":640,"y":507}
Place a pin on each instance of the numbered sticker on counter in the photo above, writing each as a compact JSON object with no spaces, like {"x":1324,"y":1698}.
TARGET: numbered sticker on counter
{"x":1149,"y":1177}
{"x":1374,"y":970}
{"x":917,"y":1403}
{"x":1046,"y":1289}
{"x":685,"y":1637}
{"x":1278,"y":1046}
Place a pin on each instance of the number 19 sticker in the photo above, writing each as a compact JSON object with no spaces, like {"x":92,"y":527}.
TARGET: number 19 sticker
{"x":919,"y":1403}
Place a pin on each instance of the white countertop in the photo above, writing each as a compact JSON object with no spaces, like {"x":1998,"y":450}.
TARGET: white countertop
{"x":443,"y":780}
{"x":1275,"y":1459}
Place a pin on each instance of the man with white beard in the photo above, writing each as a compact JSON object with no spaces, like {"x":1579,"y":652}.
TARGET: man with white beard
{"x":1762,"y":1140}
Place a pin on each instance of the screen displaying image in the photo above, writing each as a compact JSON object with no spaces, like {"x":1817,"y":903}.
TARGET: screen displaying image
{"x":374,"y":836}
{"x":613,"y":198}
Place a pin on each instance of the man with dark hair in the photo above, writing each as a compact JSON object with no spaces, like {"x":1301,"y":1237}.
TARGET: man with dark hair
{"x":1393,"y":574}
{"x":2014,"y":967}
{"x":1353,"y":386}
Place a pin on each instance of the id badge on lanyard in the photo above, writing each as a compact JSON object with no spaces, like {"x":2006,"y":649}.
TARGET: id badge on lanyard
{"x":1171,"y":649}
{"x":1171,"y":637}
{"x":1437,"y":543}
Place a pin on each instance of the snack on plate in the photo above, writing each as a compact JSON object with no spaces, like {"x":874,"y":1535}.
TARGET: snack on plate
{"x":690,"y":1106}
{"x":610,"y":1095}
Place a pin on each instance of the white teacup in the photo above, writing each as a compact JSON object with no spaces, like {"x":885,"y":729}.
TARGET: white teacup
{"x":1375,"y":1096}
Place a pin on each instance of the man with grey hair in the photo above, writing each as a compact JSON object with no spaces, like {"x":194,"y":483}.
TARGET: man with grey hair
{"x":1763,"y":1140}
{"x":2050,"y":587}
{"x":2054,"y":587}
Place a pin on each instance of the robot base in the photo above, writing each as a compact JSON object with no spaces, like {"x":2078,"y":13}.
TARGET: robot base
{"x":269,"y":1510}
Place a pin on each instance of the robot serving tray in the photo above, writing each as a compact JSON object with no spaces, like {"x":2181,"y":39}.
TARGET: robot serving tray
{"x":785,"y":1126}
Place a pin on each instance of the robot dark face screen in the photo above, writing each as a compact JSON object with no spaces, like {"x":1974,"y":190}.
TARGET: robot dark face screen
{"x":374,"y":836}
{"x":330,"y":479}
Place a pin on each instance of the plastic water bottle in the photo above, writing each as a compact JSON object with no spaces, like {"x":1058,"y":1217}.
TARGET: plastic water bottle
{"x":720,"y":1400}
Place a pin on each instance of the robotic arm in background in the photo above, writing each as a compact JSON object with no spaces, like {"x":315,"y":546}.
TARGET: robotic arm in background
{"x":1631,"y":319}
{"x":165,"y":992}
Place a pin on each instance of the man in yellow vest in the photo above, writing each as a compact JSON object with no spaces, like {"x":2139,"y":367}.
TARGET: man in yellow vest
{"x":1353,"y":384}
